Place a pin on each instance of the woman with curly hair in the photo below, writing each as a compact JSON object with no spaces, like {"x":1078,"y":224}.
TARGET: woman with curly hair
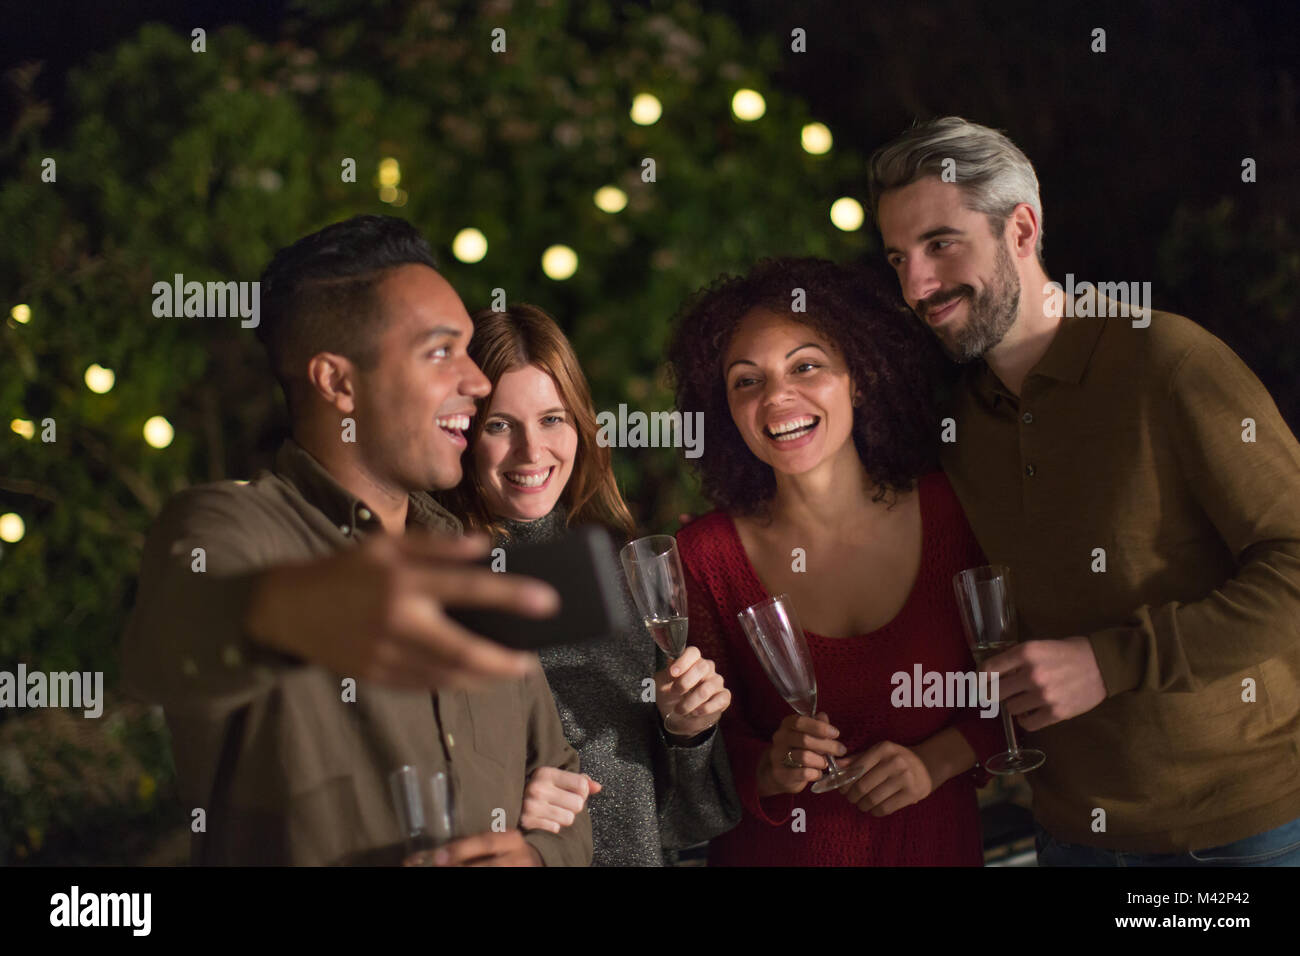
{"x":820,"y":458}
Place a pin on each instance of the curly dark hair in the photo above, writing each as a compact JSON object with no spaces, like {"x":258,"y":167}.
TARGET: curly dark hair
{"x":896,"y":363}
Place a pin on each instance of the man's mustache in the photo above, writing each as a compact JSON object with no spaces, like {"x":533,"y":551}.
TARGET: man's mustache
{"x":940,"y":299}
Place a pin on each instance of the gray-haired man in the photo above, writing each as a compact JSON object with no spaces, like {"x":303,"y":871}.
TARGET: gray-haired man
{"x":1144,"y":490}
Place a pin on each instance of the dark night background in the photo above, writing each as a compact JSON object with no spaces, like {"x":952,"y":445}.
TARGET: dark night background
{"x":1138,"y":150}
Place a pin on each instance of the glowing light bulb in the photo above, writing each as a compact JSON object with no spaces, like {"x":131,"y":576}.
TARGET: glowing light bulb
{"x":816,"y":138}
{"x":470,"y":245}
{"x":646,"y":109}
{"x":748,"y":105}
{"x":100,"y":380}
{"x":158,"y":432}
{"x":559,"y":262}
{"x":12,"y":528}
{"x":610,"y":199}
{"x":847,"y":214}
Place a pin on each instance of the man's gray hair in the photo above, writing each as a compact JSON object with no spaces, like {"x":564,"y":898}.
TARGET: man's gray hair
{"x":992,"y":172}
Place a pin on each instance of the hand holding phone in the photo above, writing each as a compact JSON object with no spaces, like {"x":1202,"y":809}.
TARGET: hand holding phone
{"x":582,"y":567}
{"x":365,"y":612}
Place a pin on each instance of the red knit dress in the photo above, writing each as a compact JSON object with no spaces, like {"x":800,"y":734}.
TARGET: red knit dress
{"x":854,"y":689}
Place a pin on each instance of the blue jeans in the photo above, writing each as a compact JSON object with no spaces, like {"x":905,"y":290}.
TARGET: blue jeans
{"x":1279,"y":847}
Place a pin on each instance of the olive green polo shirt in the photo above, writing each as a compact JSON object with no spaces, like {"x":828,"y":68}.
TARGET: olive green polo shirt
{"x":1145,"y":492}
{"x":286,"y":766}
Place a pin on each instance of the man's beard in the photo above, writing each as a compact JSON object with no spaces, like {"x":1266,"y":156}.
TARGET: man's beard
{"x":990,"y":314}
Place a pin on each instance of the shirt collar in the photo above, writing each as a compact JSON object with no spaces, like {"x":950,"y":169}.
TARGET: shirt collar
{"x":1066,"y":359}
{"x":318,"y":487}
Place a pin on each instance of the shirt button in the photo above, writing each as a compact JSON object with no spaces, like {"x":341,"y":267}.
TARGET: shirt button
{"x":1027,"y":418}
{"x":364,"y":514}
{"x":345,"y":529}
{"x":451,"y":741}
{"x":1029,"y":470}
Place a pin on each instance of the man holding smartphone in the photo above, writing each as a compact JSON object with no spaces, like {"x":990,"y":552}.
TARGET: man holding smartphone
{"x":293,"y":627}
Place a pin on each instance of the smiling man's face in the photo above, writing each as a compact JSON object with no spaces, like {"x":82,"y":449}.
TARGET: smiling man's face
{"x":414,"y":406}
{"x":957,"y":276}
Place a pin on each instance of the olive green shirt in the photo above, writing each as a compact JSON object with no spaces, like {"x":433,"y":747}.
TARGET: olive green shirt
{"x":1145,"y":492}
{"x":286,"y":767}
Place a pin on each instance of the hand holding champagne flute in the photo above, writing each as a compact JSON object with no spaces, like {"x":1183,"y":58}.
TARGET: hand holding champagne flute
{"x":778,"y":640}
{"x":988,"y":616}
{"x":654,"y":575}
{"x":658,"y":586}
{"x":690,"y":689}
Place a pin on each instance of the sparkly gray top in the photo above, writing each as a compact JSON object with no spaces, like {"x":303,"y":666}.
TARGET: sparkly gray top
{"x":656,"y":796}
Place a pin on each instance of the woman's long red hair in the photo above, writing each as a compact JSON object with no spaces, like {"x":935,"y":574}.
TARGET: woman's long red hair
{"x":524,"y":335}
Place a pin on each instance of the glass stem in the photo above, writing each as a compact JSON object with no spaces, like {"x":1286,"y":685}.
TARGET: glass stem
{"x":667,"y":723}
{"x":1013,"y":748}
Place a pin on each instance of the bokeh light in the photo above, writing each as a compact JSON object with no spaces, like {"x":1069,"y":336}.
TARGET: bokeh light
{"x":12,"y":528}
{"x":559,"y":262}
{"x":610,"y":199}
{"x":99,"y":379}
{"x":158,"y":432}
{"x":816,"y":138}
{"x":470,"y":245}
{"x":748,"y":105}
{"x":847,"y":214}
{"x":646,"y":109}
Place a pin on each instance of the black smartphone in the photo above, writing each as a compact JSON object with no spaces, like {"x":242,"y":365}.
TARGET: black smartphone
{"x":582,"y":567}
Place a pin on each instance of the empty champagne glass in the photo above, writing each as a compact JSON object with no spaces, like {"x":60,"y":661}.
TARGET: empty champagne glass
{"x":988,"y":615}
{"x":658,"y":586}
{"x":425,"y":812}
{"x":779,"y":642}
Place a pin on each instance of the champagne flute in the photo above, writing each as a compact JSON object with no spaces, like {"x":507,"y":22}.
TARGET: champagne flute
{"x":988,"y":615}
{"x":425,"y":812}
{"x":658,"y":586}
{"x":778,"y":641}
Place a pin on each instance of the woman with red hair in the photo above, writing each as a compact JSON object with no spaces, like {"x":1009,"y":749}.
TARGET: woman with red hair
{"x":534,"y":467}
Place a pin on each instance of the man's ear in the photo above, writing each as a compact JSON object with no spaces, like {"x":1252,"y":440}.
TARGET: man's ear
{"x":1023,"y":230}
{"x":333,"y":378}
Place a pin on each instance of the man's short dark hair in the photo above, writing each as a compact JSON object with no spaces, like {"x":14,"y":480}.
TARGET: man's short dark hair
{"x":317,"y":295}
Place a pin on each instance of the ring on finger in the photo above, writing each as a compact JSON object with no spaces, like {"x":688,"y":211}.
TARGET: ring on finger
{"x":791,"y":761}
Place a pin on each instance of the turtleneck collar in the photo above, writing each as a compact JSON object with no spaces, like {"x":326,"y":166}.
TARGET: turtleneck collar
{"x":547,"y":528}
